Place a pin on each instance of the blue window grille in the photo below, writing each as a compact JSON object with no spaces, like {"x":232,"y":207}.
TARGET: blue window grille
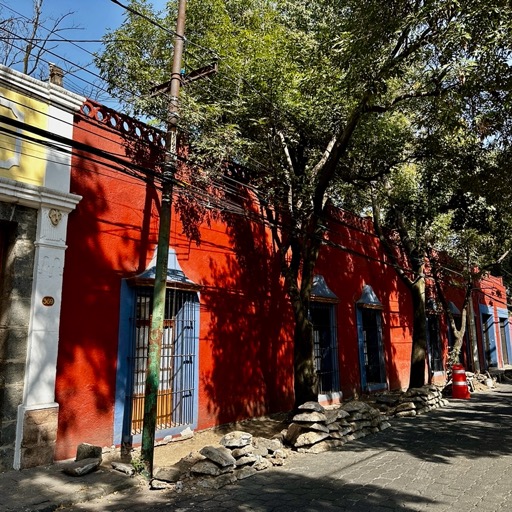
{"x":371,"y":349}
{"x":175,"y":402}
{"x":323,"y":318}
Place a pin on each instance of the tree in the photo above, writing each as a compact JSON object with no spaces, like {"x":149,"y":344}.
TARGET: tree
{"x":301,"y":86}
{"x":442,"y":214}
{"x":25,"y":42}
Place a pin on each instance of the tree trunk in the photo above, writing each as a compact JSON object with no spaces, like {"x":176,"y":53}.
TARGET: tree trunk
{"x":306,"y":379}
{"x":299,"y":272}
{"x":457,"y":346}
{"x":473,"y":339}
{"x":419,"y":334}
{"x":453,"y":357}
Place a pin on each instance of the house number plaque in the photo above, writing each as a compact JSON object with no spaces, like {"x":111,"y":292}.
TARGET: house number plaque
{"x":48,"y":301}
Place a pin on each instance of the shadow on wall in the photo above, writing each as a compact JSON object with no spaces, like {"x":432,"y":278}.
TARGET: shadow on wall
{"x":250,"y":331}
{"x":352,"y":259}
{"x":108,"y":239}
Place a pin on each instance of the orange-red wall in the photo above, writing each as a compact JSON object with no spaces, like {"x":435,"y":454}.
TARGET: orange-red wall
{"x":352,"y":259}
{"x":246,"y":327}
{"x":245,"y":356}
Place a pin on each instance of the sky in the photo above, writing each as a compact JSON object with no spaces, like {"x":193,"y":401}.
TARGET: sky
{"x":95,"y":17}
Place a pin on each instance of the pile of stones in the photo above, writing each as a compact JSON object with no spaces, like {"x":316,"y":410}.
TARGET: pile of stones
{"x":412,"y":402}
{"x":317,"y":429}
{"x":239,"y":455}
{"x":314,"y":429}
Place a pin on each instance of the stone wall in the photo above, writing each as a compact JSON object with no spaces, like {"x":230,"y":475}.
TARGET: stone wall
{"x":17,"y":235}
{"x":39,"y":436}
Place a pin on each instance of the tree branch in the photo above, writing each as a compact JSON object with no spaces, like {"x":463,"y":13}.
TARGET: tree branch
{"x":290,"y":172}
{"x":377,"y":224}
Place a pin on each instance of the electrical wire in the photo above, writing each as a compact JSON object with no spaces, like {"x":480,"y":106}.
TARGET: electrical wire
{"x":72,"y":63}
{"x":104,"y":89}
{"x":87,"y":70}
{"x":217,"y":55}
{"x":136,"y":140}
{"x":206,"y":198}
{"x":197,"y":193}
{"x":173,"y":33}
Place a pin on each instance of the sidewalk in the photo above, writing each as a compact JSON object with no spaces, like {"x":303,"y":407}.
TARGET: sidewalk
{"x":457,"y":435}
{"x":45,"y":489}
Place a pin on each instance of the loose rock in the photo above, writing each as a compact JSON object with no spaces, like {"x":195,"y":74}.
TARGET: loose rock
{"x":236,"y":439}
{"x":82,"y":467}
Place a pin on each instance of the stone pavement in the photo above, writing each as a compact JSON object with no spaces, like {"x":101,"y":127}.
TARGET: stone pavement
{"x":45,"y":489}
{"x":456,"y":458}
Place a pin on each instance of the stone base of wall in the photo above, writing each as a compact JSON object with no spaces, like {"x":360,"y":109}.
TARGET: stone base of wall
{"x":39,"y":436}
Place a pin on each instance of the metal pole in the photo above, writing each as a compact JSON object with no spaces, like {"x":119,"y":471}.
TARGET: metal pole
{"x":158,"y":310}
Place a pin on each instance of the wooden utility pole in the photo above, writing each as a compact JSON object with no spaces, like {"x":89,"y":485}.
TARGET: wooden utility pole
{"x":158,"y":310}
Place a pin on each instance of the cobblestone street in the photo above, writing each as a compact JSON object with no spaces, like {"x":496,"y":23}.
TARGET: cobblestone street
{"x":456,"y":458}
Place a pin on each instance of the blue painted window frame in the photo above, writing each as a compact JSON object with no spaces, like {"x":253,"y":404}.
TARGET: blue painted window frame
{"x":124,"y":374}
{"x":503,"y":315}
{"x":489,"y":326}
{"x":360,"y":331}
{"x":331,"y":309}
{"x":434,"y":346}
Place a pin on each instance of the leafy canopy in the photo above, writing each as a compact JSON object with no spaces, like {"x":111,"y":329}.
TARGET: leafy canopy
{"x":316,"y":97}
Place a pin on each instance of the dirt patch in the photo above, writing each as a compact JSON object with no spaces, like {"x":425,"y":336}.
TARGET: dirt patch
{"x":266,"y":426}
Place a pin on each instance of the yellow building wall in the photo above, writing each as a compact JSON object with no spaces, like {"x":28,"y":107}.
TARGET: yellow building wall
{"x":20,"y":159}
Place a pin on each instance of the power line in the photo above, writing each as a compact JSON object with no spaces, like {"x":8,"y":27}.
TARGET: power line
{"x":221,"y":186}
{"x":49,"y":51}
{"x":216,"y":55}
{"x":71,"y":41}
{"x":136,"y":140}
{"x":159,"y":25}
{"x":103,"y":89}
{"x":207,"y":199}
{"x":62,"y":39}
{"x":192,"y":190}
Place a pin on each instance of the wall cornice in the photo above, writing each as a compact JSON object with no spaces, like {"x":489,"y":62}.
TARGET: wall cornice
{"x":43,"y":91}
{"x":36,"y":197}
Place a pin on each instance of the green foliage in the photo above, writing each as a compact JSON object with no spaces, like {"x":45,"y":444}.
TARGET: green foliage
{"x":319,"y":99}
{"x":301,"y":69}
{"x":138,"y":464}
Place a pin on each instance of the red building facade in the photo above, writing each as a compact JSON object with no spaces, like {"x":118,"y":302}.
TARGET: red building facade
{"x":227,"y":346}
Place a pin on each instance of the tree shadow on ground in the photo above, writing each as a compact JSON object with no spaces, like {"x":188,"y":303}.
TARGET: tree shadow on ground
{"x":287,"y":492}
{"x":471,"y":429}
{"x":366,"y":475}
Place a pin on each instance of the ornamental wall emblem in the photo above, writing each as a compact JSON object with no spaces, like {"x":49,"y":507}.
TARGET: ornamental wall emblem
{"x":55,"y":216}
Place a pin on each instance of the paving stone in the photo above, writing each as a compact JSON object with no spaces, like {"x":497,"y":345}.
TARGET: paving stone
{"x":453,"y":459}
